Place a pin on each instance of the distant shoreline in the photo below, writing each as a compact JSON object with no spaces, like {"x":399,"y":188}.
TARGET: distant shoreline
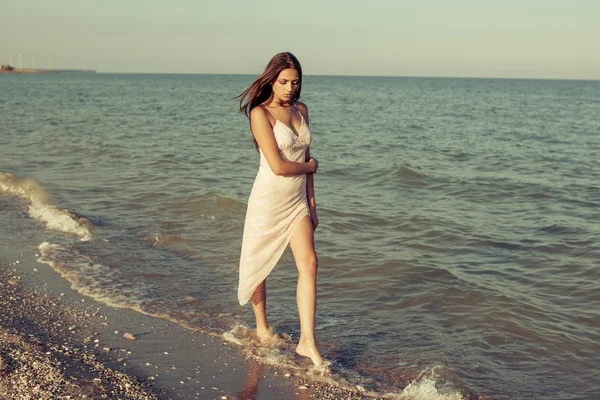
{"x":42,"y":71}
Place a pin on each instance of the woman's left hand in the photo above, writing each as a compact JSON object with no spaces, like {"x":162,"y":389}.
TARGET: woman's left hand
{"x":314,"y":218}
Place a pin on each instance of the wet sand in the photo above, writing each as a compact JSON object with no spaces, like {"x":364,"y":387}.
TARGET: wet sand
{"x":47,"y":349}
{"x":56,"y":343}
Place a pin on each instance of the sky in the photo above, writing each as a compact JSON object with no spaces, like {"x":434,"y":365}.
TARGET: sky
{"x":546,"y":39}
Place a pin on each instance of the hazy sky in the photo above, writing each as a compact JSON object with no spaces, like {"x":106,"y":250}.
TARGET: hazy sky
{"x":478,"y":38}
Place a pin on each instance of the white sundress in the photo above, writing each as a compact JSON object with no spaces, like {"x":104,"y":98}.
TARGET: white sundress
{"x":276,"y":206}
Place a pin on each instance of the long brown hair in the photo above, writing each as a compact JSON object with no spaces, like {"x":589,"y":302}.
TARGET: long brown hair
{"x":260,"y":90}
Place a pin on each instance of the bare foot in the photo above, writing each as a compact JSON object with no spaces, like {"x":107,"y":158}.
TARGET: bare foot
{"x":265,"y":335}
{"x":309,"y":349}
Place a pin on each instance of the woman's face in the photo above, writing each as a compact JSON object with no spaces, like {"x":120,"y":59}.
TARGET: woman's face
{"x":286,"y":84}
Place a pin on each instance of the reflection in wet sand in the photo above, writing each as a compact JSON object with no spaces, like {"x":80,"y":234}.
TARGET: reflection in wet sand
{"x":252,"y":381}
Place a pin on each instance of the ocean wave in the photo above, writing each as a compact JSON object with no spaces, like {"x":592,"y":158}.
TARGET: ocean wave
{"x":50,"y":216}
{"x":404,"y":175}
{"x":84,"y":275}
{"x":106,"y":285}
{"x":209,"y":205}
{"x":428,"y":389}
{"x":163,"y":240}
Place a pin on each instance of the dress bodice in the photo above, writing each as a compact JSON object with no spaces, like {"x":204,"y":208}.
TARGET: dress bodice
{"x":291,"y":147}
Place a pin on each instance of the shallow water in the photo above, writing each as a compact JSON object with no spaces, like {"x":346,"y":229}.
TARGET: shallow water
{"x":459,"y":237}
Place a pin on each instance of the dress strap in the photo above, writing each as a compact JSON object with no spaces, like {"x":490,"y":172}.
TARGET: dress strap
{"x":269,"y":111}
{"x":297,"y":109}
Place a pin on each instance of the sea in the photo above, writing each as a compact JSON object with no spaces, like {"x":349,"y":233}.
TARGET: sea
{"x":459,"y":236}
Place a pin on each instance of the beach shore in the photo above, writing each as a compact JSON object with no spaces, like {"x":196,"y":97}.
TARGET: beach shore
{"x":47,"y":349}
{"x":55,"y":342}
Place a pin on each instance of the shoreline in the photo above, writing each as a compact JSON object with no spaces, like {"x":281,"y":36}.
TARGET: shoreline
{"x":27,"y":71}
{"x":47,"y":349}
{"x":67,"y":344}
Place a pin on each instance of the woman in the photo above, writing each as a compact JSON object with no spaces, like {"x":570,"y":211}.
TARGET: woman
{"x":281,"y":207}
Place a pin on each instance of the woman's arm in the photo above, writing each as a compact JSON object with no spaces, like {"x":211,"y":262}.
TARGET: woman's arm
{"x":310,"y":178}
{"x":310,"y":184}
{"x":263,"y":133}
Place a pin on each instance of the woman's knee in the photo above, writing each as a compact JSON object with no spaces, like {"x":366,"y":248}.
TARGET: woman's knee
{"x":309,"y":265}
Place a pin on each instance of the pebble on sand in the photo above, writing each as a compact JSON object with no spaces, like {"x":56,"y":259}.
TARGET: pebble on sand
{"x":128,"y":336}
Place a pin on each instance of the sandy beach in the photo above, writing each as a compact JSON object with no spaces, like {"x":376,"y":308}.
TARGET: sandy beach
{"x":49,"y":349}
{"x":55,"y":343}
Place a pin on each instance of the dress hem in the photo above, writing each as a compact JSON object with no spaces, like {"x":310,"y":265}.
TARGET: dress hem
{"x":294,"y":227}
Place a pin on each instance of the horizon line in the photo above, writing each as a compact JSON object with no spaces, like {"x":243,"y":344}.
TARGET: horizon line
{"x":355,"y":76}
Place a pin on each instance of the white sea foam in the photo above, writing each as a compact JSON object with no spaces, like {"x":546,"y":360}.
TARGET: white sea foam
{"x":426,"y":389}
{"x":84,"y":275}
{"x":96,"y":281}
{"x":429,"y":385}
{"x":39,"y":208}
{"x":281,"y":352}
{"x":276,"y":351}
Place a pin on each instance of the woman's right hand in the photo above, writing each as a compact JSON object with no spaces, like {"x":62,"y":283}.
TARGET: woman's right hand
{"x":314,"y":164}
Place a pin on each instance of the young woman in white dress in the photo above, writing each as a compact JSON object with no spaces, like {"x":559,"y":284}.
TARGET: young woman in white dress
{"x":281,"y":207}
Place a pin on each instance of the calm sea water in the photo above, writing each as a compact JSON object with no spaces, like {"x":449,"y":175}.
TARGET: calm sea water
{"x":459,"y":243}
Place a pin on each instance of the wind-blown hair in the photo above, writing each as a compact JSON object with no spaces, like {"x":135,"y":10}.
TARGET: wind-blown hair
{"x":260,"y":90}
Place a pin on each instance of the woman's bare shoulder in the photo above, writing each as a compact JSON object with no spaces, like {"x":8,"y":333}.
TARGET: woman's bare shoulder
{"x":303,"y":109}
{"x":301,"y":106}
{"x":259,"y":113}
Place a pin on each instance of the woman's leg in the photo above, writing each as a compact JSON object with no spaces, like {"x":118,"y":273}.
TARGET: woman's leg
{"x":302,"y":245}
{"x":259,"y":306}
